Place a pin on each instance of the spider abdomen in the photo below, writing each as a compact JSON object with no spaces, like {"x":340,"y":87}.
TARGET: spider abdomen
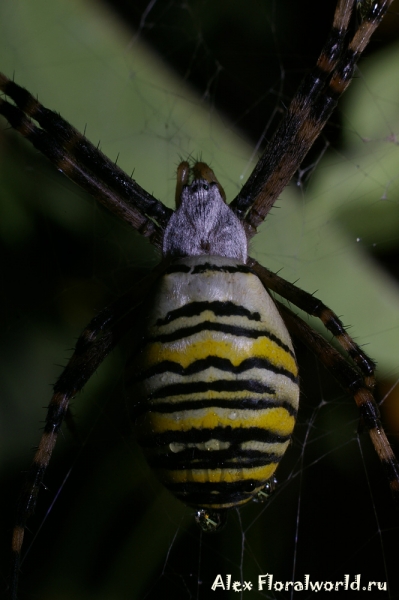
{"x":214,"y":384}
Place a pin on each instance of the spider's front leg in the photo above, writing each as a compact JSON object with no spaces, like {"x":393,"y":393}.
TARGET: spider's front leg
{"x":92,"y":347}
{"x":75,"y":156}
{"x":310,"y":109}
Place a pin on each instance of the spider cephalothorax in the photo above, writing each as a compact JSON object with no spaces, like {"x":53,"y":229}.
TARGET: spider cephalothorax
{"x":203,"y":223}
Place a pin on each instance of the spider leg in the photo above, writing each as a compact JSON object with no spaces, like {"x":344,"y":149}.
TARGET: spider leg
{"x":309,"y":111}
{"x":352,"y":382}
{"x":83,"y":163}
{"x":315,"y":307}
{"x":92,"y":347}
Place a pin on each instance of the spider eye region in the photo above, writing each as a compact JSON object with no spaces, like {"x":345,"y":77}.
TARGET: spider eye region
{"x":203,"y":224}
{"x":198,"y":185}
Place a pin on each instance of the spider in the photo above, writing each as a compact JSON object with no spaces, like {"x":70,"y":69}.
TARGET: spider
{"x":222,"y":250}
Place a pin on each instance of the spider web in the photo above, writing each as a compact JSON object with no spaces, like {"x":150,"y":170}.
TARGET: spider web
{"x":113,"y":532}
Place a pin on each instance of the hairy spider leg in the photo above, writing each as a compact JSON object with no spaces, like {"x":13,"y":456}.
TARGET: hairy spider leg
{"x":308,"y":112}
{"x":352,"y":382}
{"x":83,"y":163}
{"x":92,"y":347}
{"x":315,"y":307}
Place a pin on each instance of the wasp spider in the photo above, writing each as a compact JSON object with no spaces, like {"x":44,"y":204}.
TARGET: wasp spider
{"x":214,"y":383}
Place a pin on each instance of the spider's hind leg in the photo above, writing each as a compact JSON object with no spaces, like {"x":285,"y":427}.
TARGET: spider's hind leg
{"x":352,"y":381}
{"x":92,"y":347}
{"x":357,"y":378}
{"x":315,"y":307}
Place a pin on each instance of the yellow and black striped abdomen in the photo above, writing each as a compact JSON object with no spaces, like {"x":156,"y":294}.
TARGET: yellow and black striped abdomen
{"x":215,"y":384}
